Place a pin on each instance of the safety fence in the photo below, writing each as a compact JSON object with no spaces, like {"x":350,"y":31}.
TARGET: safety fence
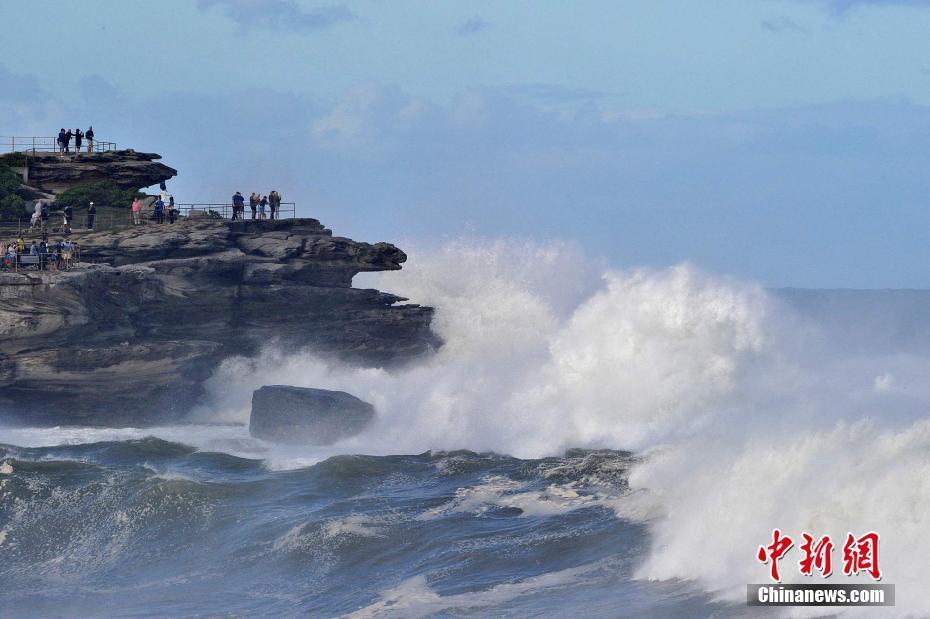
{"x":37,"y":144}
{"x":49,"y":260}
{"x":112,"y":218}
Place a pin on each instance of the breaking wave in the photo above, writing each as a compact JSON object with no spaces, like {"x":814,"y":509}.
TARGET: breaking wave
{"x":710,"y":411}
{"x":802,"y":410}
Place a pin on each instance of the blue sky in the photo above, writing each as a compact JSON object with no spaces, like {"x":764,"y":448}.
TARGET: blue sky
{"x":786,"y":141}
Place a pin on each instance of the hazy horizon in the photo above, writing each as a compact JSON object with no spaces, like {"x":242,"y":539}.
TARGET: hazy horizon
{"x":780,"y":141}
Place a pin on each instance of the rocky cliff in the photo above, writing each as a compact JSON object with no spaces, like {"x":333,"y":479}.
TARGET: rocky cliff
{"x":50,"y":173}
{"x":130,"y":339}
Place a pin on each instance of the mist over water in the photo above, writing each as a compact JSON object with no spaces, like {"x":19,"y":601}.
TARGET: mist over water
{"x":745,"y":409}
{"x":753,"y":409}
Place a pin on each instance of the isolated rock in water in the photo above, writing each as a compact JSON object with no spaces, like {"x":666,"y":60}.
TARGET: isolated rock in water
{"x":307,"y":416}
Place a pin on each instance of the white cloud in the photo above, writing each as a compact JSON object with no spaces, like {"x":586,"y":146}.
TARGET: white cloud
{"x":282,"y":15}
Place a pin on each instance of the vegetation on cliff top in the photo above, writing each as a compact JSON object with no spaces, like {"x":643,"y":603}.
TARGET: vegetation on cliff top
{"x":102,"y":193}
{"x":11,"y":205}
{"x":13,"y":160}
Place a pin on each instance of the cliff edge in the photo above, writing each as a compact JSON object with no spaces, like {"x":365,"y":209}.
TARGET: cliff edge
{"x":48,"y":173}
{"x":130,"y":339}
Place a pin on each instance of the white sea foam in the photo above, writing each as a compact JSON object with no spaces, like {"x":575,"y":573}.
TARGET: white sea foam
{"x":747,"y":415}
{"x":500,"y":491}
{"x":358,"y":525}
{"x":414,"y":597}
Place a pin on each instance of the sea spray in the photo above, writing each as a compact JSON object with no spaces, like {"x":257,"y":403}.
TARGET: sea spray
{"x":747,"y":414}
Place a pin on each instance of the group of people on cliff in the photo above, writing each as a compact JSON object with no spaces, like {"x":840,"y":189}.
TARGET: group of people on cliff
{"x":42,"y":213}
{"x":65,"y":136}
{"x":258,"y":203}
{"x":163,"y":207}
{"x":161,"y":210}
{"x":44,"y":254}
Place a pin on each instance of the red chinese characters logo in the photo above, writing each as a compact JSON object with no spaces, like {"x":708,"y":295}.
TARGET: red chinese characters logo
{"x":817,"y":556}
{"x":860,"y":554}
{"x":775,"y":551}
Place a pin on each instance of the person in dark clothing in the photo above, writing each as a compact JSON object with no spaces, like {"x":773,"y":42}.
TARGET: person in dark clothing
{"x":159,"y":211}
{"x":68,"y":135}
{"x":61,"y":141}
{"x":238,"y":205}
{"x":69,"y":217}
{"x":91,"y":214}
{"x":89,"y":135}
{"x":172,"y":210}
{"x":44,"y":217}
{"x":253,"y":203}
{"x":77,"y":140}
{"x":43,"y":255}
{"x":274,"y":202}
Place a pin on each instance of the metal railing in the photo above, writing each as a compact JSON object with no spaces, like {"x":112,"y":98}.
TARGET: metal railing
{"x":122,"y":218}
{"x":35,"y":144}
{"x":50,"y":260}
{"x":288,"y":210}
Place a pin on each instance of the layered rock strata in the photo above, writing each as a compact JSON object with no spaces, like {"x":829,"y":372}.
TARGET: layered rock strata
{"x":130,"y":339}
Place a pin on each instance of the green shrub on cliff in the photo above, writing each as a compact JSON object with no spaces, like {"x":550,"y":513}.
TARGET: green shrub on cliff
{"x":11,"y":205}
{"x":14,"y":160}
{"x":103,"y":193}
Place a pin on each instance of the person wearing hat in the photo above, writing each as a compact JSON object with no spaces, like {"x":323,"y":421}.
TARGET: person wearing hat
{"x":91,"y":214}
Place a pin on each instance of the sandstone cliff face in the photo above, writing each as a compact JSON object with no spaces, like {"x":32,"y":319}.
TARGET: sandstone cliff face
{"x":47,"y":172}
{"x":130,"y":340}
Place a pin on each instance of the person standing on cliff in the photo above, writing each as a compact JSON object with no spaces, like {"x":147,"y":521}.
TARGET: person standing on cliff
{"x":136,"y":210}
{"x":172,"y":210}
{"x":91,"y":214}
{"x":274,"y":202}
{"x":68,"y":136}
{"x":69,"y":216}
{"x":61,"y":141}
{"x":159,"y":211}
{"x":238,"y":205}
{"x":89,"y":134}
{"x":253,"y":203}
{"x":77,"y":141}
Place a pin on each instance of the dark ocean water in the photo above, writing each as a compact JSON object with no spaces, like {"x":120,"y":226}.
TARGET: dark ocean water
{"x":206,"y":521}
{"x":148,"y":527}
